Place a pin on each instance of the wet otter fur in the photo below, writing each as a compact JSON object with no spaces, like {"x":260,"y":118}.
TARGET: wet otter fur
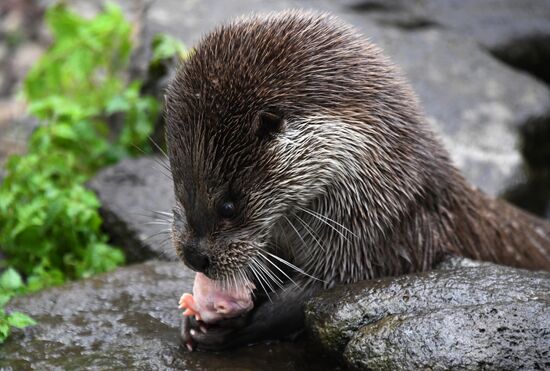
{"x":301,"y":159}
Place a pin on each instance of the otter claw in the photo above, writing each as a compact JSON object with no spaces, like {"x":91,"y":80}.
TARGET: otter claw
{"x":185,"y":334}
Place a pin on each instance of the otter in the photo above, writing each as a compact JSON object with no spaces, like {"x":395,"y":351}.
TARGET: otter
{"x":301,"y":159}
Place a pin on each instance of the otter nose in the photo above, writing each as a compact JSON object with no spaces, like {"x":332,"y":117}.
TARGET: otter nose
{"x":196,"y":259}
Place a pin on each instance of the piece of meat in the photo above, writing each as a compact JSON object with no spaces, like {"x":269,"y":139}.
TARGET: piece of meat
{"x":187,"y":302}
{"x":211,"y":303}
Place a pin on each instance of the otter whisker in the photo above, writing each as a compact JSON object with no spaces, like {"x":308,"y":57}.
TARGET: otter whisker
{"x":236,"y":280}
{"x":161,"y":220}
{"x":242,"y":274}
{"x":164,"y":231}
{"x":297,"y":232}
{"x":244,"y":277}
{"x":163,"y":168}
{"x":269,"y":271}
{"x":164,"y":213}
{"x":227,"y":282}
{"x":161,"y":217}
{"x":158,"y":222}
{"x":163,"y":242}
{"x":235,"y":285}
{"x":325,"y":219}
{"x":279,"y":269}
{"x":158,"y":147}
{"x":255,"y":273}
{"x":262,"y":272}
{"x":271,"y":275}
{"x":299,"y":270}
{"x":265,"y":276}
{"x":148,"y":216}
{"x":223,"y":282}
{"x":162,"y":164}
{"x":310,"y":231}
{"x":289,"y":245}
{"x":163,"y":247}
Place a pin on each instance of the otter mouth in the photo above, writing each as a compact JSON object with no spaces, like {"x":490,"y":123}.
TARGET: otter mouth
{"x":213,"y":301}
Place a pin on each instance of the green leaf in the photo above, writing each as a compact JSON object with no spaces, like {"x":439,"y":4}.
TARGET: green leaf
{"x":20,"y":320}
{"x":4,"y":298}
{"x":64,"y":131}
{"x":11,"y":280}
{"x":4,"y":330}
{"x":117,"y":104}
{"x":165,"y":47}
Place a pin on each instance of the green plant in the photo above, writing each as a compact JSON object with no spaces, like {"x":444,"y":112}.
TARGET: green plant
{"x":10,"y":284}
{"x":50,"y":227}
{"x":81,"y":82}
{"x":166,"y":47}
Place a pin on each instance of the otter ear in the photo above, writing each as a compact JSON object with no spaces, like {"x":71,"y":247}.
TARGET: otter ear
{"x":269,"y":123}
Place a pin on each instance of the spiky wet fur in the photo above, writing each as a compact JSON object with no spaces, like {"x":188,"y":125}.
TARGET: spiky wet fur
{"x":355,"y":149}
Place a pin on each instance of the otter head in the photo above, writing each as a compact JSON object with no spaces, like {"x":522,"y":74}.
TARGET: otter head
{"x":267,"y":115}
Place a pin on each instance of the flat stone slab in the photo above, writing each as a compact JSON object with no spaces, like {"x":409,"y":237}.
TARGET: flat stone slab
{"x":128,"y":319}
{"x":134,"y":195}
{"x":462,"y":316}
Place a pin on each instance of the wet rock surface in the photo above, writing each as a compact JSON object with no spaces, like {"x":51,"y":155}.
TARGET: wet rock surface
{"x":128,"y":319}
{"x":466,"y":315}
{"x":509,"y":336}
{"x":135,"y":194}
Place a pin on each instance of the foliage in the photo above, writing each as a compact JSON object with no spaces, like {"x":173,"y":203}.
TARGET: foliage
{"x":81,"y":82}
{"x":165,"y":47}
{"x":49,"y":222}
{"x":10,"y":284}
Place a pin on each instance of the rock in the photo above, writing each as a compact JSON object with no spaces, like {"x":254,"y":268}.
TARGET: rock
{"x":509,"y":336}
{"x":456,"y":262}
{"x":25,"y":56}
{"x":492,"y":23}
{"x":128,"y":319}
{"x":15,"y":128}
{"x":335,"y":316}
{"x":134,"y":194}
{"x":517,"y":33}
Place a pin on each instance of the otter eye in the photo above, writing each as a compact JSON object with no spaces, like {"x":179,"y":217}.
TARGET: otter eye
{"x":227,"y":210}
{"x":269,"y":123}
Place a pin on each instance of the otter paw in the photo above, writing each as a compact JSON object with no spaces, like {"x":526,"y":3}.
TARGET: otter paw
{"x":188,"y":329}
{"x":199,"y":335}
